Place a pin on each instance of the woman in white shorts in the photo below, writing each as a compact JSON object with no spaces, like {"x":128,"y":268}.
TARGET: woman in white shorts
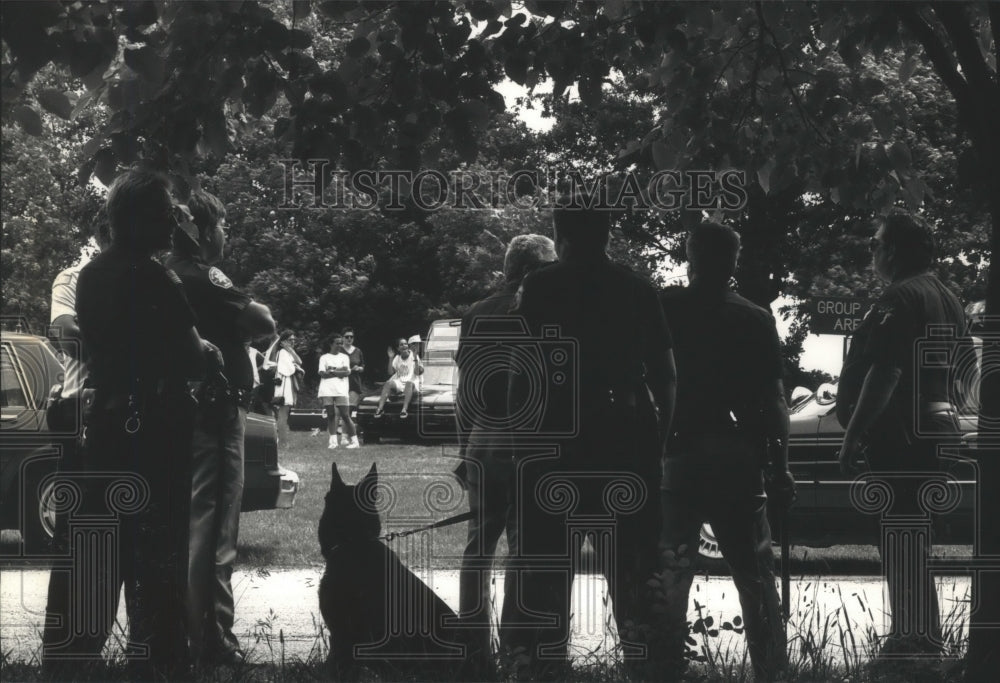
{"x":334,"y":389}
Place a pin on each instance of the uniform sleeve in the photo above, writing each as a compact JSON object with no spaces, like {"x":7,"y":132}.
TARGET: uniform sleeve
{"x":891,"y":339}
{"x":64,"y":294}
{"x":175,"y":314}
{"x":772,"y":362}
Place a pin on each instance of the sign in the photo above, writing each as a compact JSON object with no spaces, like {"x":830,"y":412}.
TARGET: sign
{"x":837,"y":314}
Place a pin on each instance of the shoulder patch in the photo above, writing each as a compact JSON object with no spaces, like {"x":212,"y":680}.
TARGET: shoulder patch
{"x":219,"y":279}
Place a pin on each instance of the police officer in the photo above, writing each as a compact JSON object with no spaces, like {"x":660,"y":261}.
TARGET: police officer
{"x":730,"y":399}
{"x":230,"y":319}
{"x":608,"y":462}
{"x":903,"y":409}
{"x":139,"y":337}
{"x":486,"y":470}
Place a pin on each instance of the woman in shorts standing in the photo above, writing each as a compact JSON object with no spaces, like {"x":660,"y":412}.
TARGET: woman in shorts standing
{"x":334,"y":391}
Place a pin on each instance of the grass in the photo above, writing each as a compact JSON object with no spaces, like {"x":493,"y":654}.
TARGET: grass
{"x":417,"y":488}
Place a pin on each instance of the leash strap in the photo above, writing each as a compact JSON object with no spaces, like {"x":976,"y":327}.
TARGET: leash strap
{"x":455,"y":519}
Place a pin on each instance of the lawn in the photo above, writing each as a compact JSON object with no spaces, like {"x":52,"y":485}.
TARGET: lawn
{"x":416,"y":485}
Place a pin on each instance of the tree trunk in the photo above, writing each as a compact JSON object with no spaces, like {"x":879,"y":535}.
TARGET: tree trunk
{"x":983,"y":660}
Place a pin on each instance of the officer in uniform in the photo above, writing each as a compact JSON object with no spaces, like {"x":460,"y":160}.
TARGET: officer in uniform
{"x":608,"y":465}
{"x":884,"y":391}
{"x":487,"y":469}
{"x":230,"y":319}
{"x":142,"y":347}
{"x":730,"y":402}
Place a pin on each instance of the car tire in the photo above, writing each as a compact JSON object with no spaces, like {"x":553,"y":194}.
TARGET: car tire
{"x":709,"y":555}
{"x":39,"y":516}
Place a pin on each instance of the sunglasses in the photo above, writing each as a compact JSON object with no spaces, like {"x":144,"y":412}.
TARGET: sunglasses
{"x":348,"y":336}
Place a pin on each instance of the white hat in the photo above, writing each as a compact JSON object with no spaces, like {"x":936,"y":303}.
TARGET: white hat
{"x":415,"y":339}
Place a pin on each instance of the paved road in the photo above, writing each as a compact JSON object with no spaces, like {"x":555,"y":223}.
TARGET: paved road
{"x":285,"y":602}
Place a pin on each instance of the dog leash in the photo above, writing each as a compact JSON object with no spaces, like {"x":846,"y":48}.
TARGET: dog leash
{"x":455,"y":519}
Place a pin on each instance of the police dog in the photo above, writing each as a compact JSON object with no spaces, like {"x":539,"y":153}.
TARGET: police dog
{"x":380,"y":615}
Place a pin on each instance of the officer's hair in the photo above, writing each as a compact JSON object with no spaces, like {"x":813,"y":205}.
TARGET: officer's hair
{"x":328,"y":342}
{"x":136,"y":200}
{"x":525,"y":253}
{"x":712,"y":250}
{"x":579,"y":224}
{"x":346,"y":330}
{"x":206,"y":209}
{"x":911,"y":238}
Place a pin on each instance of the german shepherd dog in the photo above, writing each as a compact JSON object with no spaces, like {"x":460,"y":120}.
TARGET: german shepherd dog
{"x":379,"y":613}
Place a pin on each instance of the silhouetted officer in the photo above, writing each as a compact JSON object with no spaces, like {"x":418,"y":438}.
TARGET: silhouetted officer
{"x":730,"y":399}
{"x":603,"y":480}
{"x":903,"y":408}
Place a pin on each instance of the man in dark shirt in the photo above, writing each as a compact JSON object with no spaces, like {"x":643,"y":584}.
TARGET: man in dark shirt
{"x":609,"y":460}
{"x":230,"y":319}
{"x":487,"y":468}
{"x":730,"y":399}
{"x":141,"y":347}
{"x":904,"y":408}
{"x":356,"y":378}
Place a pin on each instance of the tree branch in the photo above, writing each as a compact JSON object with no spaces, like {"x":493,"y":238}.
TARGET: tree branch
{"x":994,"y":10}
{"x":784,"y":74}
{"x":956,"y":22}
{"x":937,"y":51}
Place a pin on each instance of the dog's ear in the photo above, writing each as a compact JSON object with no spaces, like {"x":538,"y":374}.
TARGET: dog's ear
{"x":370,"y":479}
{"x":335,"y":480}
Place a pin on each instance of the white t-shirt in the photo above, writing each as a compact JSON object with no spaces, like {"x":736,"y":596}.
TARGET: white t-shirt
{"x":334,"y":386}
{"x":405,"y":369}
{"x":64,"y":303}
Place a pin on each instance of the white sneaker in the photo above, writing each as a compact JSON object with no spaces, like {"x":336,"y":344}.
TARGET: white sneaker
{"x":332,"y":443}
{"x":354,"y":442}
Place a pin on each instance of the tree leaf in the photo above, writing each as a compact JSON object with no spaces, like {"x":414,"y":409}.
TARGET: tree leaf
{"x":907,"y":68}
{"x":105,"y":165}
{"x":764,"y":175}
{"x":358,"y":47}
{"x":56,"y":102}
{"x":663,"y":156}
{"x":145,"y":62}
{"x":30,"y":120}
{"x":301,"y":9}
{"x":899,"y":155}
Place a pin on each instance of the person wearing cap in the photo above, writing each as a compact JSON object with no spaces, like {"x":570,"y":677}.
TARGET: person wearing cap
{"x":230,"y":319}
{"x":404,"y":368}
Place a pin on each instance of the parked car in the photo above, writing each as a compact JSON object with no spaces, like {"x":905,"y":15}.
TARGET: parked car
{"x":823,"y":515}
{"x":431,"y":413}
{"x":29,"y":451}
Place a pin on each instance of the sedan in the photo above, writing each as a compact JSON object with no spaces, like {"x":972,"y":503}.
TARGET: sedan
{"x":29,"y":451}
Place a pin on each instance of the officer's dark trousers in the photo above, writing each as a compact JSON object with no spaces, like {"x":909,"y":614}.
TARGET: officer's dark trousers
{"x":908,"y":463}
{"x":717,"y":479}
{"x":128,"y":526}
{"x":489,"y":482}
{"x":600,"y":491}
{"x":216,"y":499}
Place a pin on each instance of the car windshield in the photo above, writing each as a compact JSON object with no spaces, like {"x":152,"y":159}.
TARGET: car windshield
{"x":443,"y":373}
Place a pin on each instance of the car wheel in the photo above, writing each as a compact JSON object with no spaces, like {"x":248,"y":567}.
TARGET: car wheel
{"x":709,"y":555}
{"x":40,"y":517}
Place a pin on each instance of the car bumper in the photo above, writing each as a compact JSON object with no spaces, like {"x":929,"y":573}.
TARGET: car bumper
{"x":288,"y":487}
